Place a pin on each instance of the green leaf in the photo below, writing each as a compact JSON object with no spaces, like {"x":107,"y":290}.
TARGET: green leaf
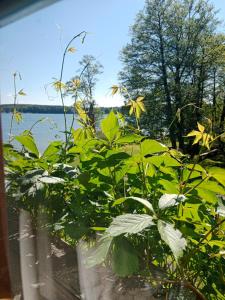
{"x":164,"y":159}
{"x":169,"y":161}
{"x":52,"y":149}
{"x":100,"y":252}
{"x":217,"y":243}
{"x":169,"y":187}
{"x":152,"y":146}
{"x":118,"y":201}
{"x":168,"y":200}
{"x":207,"y":195}
{"x":124,"y":258}
{"x":28,"y":142}
{"x":218,"y":174}
{"x":172,"y":237}
{"x":189,"y":213}
{"x":145,"y":202}
{"x":129,"y":224}
{"x":110,"y":126}
{"x":209,"y":185}
{"x":129,"y":138}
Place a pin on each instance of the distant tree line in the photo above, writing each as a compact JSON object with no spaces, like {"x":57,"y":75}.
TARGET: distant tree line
{"x":45,"y":109}
{"x":35,"y":108}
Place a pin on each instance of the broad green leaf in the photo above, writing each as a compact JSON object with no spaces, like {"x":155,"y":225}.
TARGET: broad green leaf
{"x":172,"y":237}
{"x":208,"y":190}
{"x":152,"y":146}
{"x":28,"y":142}
{"x":110,"y":126}
{"x":209,"y":185}
{"x":100,"y":252}
{"x":189,"y":213}
{"x":51,"y":180}
{"x":164,"y":159}
{"x":169,"y":161}
{"x":168,"y":200}
{"x":124,"y":258}
{"x":145,"y":202}
{"x":196,"y":167}
{"x":129,"y":138}
{"x":169,"y":187}
{"x":52,"y":149}
{"x":218,"y":174}
{"x":188,"y":174}
{"x":129,"y":224}
{"x":207,"y":195}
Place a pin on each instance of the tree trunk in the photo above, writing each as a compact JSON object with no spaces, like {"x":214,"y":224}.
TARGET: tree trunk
{"x":178,"y":101}
{"x":222,"y":118}
{"x":169,"y":110}
{"x":214,"y":100}
{"x":199,"y":94}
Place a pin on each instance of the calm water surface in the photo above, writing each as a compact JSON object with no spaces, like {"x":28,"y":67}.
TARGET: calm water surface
{"x":49,"y":129}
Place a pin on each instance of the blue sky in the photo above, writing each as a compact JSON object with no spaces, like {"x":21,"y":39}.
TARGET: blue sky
{"x":34,"y":46}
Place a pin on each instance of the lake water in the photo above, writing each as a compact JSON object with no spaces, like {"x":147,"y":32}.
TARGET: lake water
{"x":49,"y":129}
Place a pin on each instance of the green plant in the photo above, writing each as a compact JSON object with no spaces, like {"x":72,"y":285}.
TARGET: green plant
{"x":162,"y":216}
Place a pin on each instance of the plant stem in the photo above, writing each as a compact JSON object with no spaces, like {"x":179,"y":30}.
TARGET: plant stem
{"x":60,"y":79}
{"x":14,"y":106}
{"x":194,"y":187}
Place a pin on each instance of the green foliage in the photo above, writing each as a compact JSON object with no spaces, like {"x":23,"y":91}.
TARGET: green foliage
{"x":172,"y":237}
{"x":28,"y":142}
{"x":129,"y":224}
{"x":124,"y":258}
{"x":152,"y":208}
{"x":110,"y":126}
{"x":176,"y":59}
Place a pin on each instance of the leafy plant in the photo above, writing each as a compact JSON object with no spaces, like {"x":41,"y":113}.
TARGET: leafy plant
{"x":157,"y":212}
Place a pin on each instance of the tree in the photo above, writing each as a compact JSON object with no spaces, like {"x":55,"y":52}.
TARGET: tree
{"x":83,"y":86}
{"x":171,"y":58}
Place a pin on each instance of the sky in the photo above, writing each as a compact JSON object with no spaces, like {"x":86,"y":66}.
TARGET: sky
{"x":34,"y":45}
